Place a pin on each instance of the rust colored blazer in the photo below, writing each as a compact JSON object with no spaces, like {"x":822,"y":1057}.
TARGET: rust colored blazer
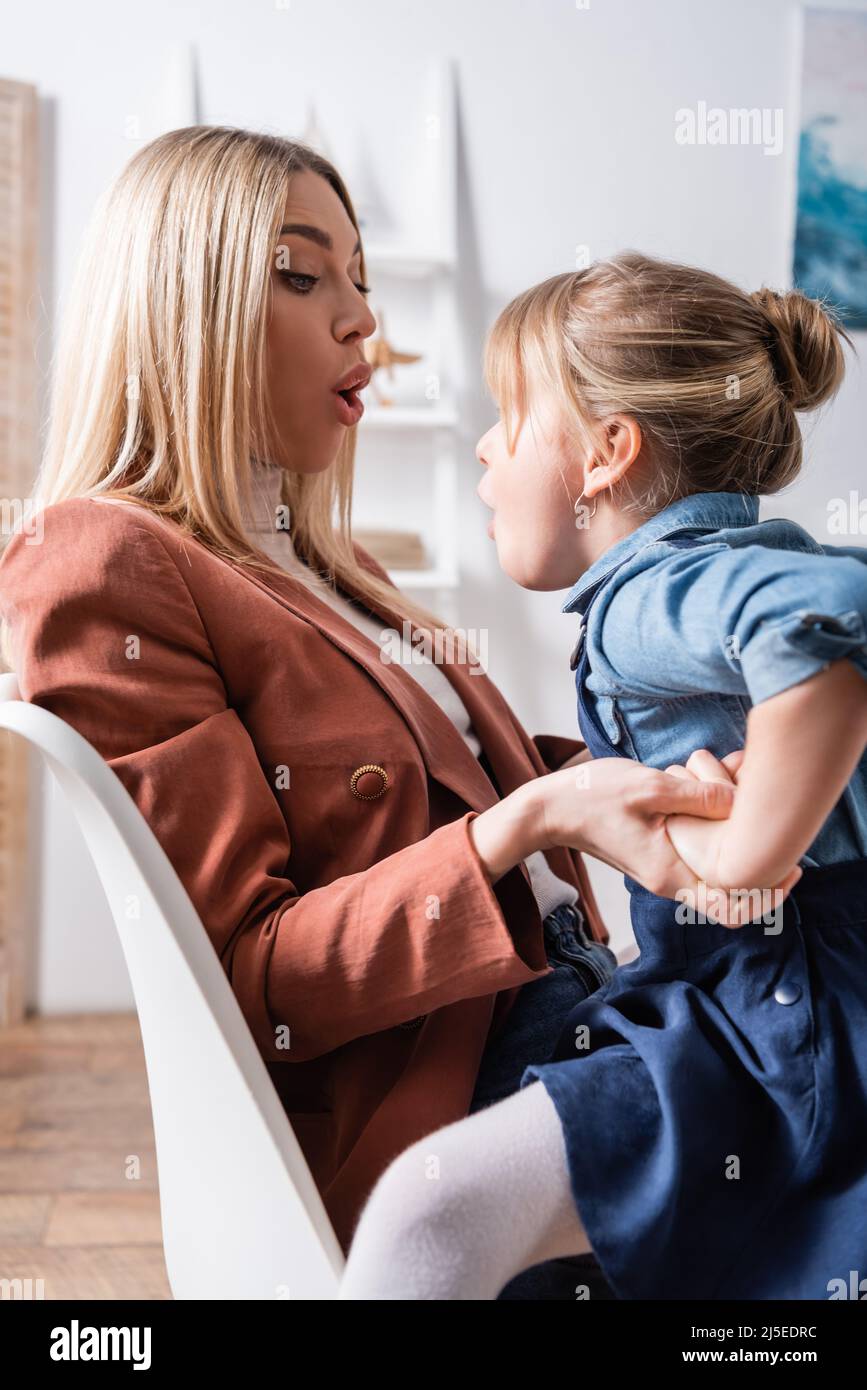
{"x":235,"y":710}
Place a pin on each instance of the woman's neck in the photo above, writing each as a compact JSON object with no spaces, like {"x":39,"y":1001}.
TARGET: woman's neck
{"x":267,"y":513}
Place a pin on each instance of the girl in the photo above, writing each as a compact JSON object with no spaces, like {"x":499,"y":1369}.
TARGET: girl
{"x":702,"y":1120}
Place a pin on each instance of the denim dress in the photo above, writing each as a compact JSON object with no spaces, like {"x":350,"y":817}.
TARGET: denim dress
{"x":713,"y":1094}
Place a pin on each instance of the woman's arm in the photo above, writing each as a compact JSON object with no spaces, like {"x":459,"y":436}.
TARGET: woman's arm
{"x":801,"y":749}
{"x":107,"y":635}
{"x":557,"y":751}
{"x":583,"y":757}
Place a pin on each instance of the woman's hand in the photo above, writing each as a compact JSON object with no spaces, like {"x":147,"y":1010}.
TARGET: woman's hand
{"x":698,"y":842}
{"x":616,"y":810}
{"x":620,"y":816}
{"x":612,"y":808}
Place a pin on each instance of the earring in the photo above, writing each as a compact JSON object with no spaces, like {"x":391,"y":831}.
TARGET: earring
{"x":582,"y":515}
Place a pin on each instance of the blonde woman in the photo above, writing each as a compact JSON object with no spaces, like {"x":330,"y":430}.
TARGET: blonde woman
{"x":702,"y":1122}
{"x":387,"y":865}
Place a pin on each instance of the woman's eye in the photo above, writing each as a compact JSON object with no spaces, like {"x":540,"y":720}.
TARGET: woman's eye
{"x":301,"y":283}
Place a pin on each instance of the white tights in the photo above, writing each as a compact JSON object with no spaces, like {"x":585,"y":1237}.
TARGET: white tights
{"x":465,"y":1209}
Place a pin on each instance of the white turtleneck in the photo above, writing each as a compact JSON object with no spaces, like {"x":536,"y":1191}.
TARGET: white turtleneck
{"x":263,"y":531}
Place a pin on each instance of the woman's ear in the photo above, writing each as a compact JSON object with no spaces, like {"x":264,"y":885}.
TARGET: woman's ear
{"x":618,"y":448}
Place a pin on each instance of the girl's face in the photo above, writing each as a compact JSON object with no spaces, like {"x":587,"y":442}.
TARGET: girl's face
{"x":532,"y":493}
{"x":318,"y":321}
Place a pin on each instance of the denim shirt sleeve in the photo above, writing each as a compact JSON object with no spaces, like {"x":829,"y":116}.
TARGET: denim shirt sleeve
{"x":856,"y":552}
{"x":747,"y":620}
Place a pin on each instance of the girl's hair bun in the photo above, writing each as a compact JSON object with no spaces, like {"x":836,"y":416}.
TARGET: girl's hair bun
{"x":804,"y":342}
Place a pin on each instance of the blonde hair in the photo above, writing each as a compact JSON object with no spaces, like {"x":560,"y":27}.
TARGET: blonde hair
{"x":158,"y":393}
{"x":712,"y":375}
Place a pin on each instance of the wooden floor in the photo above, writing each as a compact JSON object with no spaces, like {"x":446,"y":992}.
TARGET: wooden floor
{"x":79,"y":1206}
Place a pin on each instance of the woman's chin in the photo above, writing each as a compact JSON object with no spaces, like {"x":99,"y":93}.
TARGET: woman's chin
{"x":313,"y":460}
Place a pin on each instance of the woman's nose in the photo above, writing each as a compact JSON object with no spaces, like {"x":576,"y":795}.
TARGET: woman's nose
{"x":361,"y":323}
{"x":369,"y":319}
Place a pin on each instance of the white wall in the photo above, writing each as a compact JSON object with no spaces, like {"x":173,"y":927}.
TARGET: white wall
{"x":566,"y":125}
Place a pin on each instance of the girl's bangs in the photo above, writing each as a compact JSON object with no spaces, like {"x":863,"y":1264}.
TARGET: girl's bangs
{"x":521,"y":349}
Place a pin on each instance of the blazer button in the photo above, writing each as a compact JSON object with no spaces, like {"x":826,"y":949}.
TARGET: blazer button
{"x":787,"y":994}
{"x":368,"y":782}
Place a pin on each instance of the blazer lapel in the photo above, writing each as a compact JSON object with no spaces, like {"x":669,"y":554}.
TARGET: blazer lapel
{"x":446,"y":755}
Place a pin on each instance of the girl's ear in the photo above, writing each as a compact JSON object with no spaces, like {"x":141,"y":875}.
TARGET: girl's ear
{"x":619,"y":447}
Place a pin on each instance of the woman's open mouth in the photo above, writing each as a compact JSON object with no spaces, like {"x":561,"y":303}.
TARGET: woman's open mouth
{"x":350,"y":407}
{"x":348,"y":403}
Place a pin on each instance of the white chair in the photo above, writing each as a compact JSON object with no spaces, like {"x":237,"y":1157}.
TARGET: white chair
{"x":241,"y":1214}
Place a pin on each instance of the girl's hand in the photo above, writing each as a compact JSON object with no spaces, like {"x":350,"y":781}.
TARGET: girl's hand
{"x":698,"y":843}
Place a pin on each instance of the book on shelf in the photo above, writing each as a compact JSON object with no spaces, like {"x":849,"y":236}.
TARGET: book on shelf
{"x":395,"y":550}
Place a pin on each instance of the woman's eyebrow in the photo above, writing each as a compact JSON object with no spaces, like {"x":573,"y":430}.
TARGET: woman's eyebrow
{"x":314,"y":234}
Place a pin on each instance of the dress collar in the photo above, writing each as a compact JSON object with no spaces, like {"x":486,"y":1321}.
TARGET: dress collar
{"x":702,"y":511}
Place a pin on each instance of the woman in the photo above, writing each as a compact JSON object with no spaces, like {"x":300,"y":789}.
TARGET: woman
{"x":373,"y":862}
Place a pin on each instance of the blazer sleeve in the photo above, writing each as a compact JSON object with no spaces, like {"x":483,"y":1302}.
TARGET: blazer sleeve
{"x":105,"y":634}
{"x":555,"y":750}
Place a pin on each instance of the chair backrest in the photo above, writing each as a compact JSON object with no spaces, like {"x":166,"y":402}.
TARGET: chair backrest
{"x":241,"y":1214}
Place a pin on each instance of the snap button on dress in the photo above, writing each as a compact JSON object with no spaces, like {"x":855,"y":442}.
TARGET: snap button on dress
{"x":787,"y":994}
{"x":368,"y":781}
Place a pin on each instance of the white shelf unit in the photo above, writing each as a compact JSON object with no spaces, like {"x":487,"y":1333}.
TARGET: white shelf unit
{"x":408,"y":452}
{"x":409,"y":417}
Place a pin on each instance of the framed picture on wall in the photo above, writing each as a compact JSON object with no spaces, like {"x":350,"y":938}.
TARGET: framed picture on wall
{"x":830,"y":260}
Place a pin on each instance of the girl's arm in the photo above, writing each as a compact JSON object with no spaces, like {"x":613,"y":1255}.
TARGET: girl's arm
{"x":725,"y":620}
{"x":786,"y":629}
{"x":802,"y":747}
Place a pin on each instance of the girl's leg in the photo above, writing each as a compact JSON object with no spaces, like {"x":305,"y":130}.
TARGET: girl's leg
{"x":461,"y":1212}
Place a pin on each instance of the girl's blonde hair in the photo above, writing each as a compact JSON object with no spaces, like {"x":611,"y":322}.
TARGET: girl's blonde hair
{"x":712,"y":375}
{"x":158,"y":393}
